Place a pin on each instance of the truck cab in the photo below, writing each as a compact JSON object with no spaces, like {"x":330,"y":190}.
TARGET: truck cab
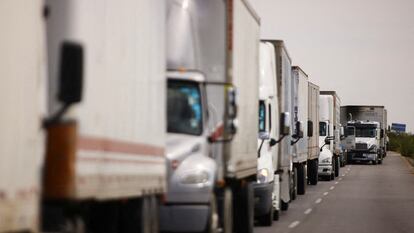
{"x":190,"y":167}
{"x":326,"y":159}
{"x":266,"y":189}
{"x":367,"y":142}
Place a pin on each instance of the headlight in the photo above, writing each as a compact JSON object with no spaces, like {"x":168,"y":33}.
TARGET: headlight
{"x":327,"y":160}
{"x":196,"y":177}
{"x":263,"y":175}
{"x":373,"y":148}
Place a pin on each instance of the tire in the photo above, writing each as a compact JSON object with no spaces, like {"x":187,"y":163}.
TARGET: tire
{"x":227,"y":211}
{"x":244,"y":209}
{"x":294,"y":185}
{"x":276,"y":215}
{"x":267,"y":219}
{"x":301,"y":179}
{"x":380,"y":161}
{"x":154,"y":213}
{"x":284,"y":205}
{"x":313,"y":172}
{"x":337,"y":167}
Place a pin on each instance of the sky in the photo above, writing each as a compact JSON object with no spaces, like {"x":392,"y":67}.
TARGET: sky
{"x":363,"y":49}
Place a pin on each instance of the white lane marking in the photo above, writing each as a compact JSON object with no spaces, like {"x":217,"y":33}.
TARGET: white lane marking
{"x":308,"y":211}
{"x":294,"y":224}
{"x":340,"y":179}
{"x":337,"y":182}
{"x":325,"y":193}
{"x":318,"y":200}
{"x":332,"y":188}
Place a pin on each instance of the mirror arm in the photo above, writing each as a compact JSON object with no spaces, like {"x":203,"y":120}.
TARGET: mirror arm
{"x":280,"y":139}
{"x":56,"y":117}
{"x":260,"y":148}
{"x":294,"y":142}
{"x":322,"y":147}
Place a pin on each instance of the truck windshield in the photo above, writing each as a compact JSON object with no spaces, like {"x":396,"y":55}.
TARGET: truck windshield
{"x":365,"y":132}
{"x":322,"y":129}
{"x":184,"y":108}
{"x":262,"y":116}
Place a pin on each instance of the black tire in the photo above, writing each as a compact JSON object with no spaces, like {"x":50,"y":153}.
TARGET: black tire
{"x":337,"y":167}
{"x":267,"y":219}
{"x":301,"y":179}
{"x":227,"y":211}
{"x":294,"y":184}
{"x":284,"y":205}
{"x":313,"y":172}
{"x":276,"y":215}
{"x":380,"y":161}
{"x":243,"y":205}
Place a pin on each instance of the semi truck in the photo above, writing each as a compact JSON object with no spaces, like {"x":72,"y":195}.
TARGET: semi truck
{"x":104,"y":165}
{"x":313,"y":133}
{"x":23,"y":105}
{"x":330,"y":118}
{"x":285,"y":168}
{"x":213,"y":85}
{"x":272,"y":129}
{"x":370,"y":124}
{"x":299,"y":116}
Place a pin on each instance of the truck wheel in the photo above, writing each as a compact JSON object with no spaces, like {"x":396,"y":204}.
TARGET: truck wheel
{"x":243,"y":205}
{"x":301,"y":179}
{"x":154,"y":213}
{"x":227,"y":211}
{"x":276,"y":215}
{"x":374,"y":162}
{"x":285,"y":205}
{"x":337,"y":166}
{"x":294,"y":184}
{"x":380,"y":161}
{"x":267,"y":219}
{"x":313,"y":172}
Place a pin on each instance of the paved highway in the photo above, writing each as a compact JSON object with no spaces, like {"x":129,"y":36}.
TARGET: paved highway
{"x":364,"y":199}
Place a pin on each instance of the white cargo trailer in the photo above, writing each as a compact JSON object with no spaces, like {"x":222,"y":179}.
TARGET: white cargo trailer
{"x":22,"y":101}
{"x":299,"y":119}
{"x":313,"y":133}
{"x":105,"y":164}
{"x":213,"y":45}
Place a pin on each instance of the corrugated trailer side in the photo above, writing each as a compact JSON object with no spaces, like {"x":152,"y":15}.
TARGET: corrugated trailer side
{"x":313,"y":106}
{"x":23,"y":103}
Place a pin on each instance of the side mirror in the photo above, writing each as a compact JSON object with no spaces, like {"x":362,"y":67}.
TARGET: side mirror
{"x":70,"y":73}
{"x":285,"y":124}
{"x":310,"y":129}
{"x":264,"y":135}
{"x":327,"y":141}
{"x":382,"y":133}
{"x":272,"y":142}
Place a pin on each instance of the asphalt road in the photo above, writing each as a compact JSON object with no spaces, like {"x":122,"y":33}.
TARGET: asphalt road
{"x":364,"y":199}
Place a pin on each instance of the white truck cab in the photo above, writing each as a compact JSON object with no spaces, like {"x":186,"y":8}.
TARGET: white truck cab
{"x":267,"y":190}
{"x":191,"y":171}
{"x":326,"y":158}
{"x":367,"y":141}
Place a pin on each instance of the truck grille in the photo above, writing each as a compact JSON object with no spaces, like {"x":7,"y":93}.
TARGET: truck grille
{"x":361,"y":146}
